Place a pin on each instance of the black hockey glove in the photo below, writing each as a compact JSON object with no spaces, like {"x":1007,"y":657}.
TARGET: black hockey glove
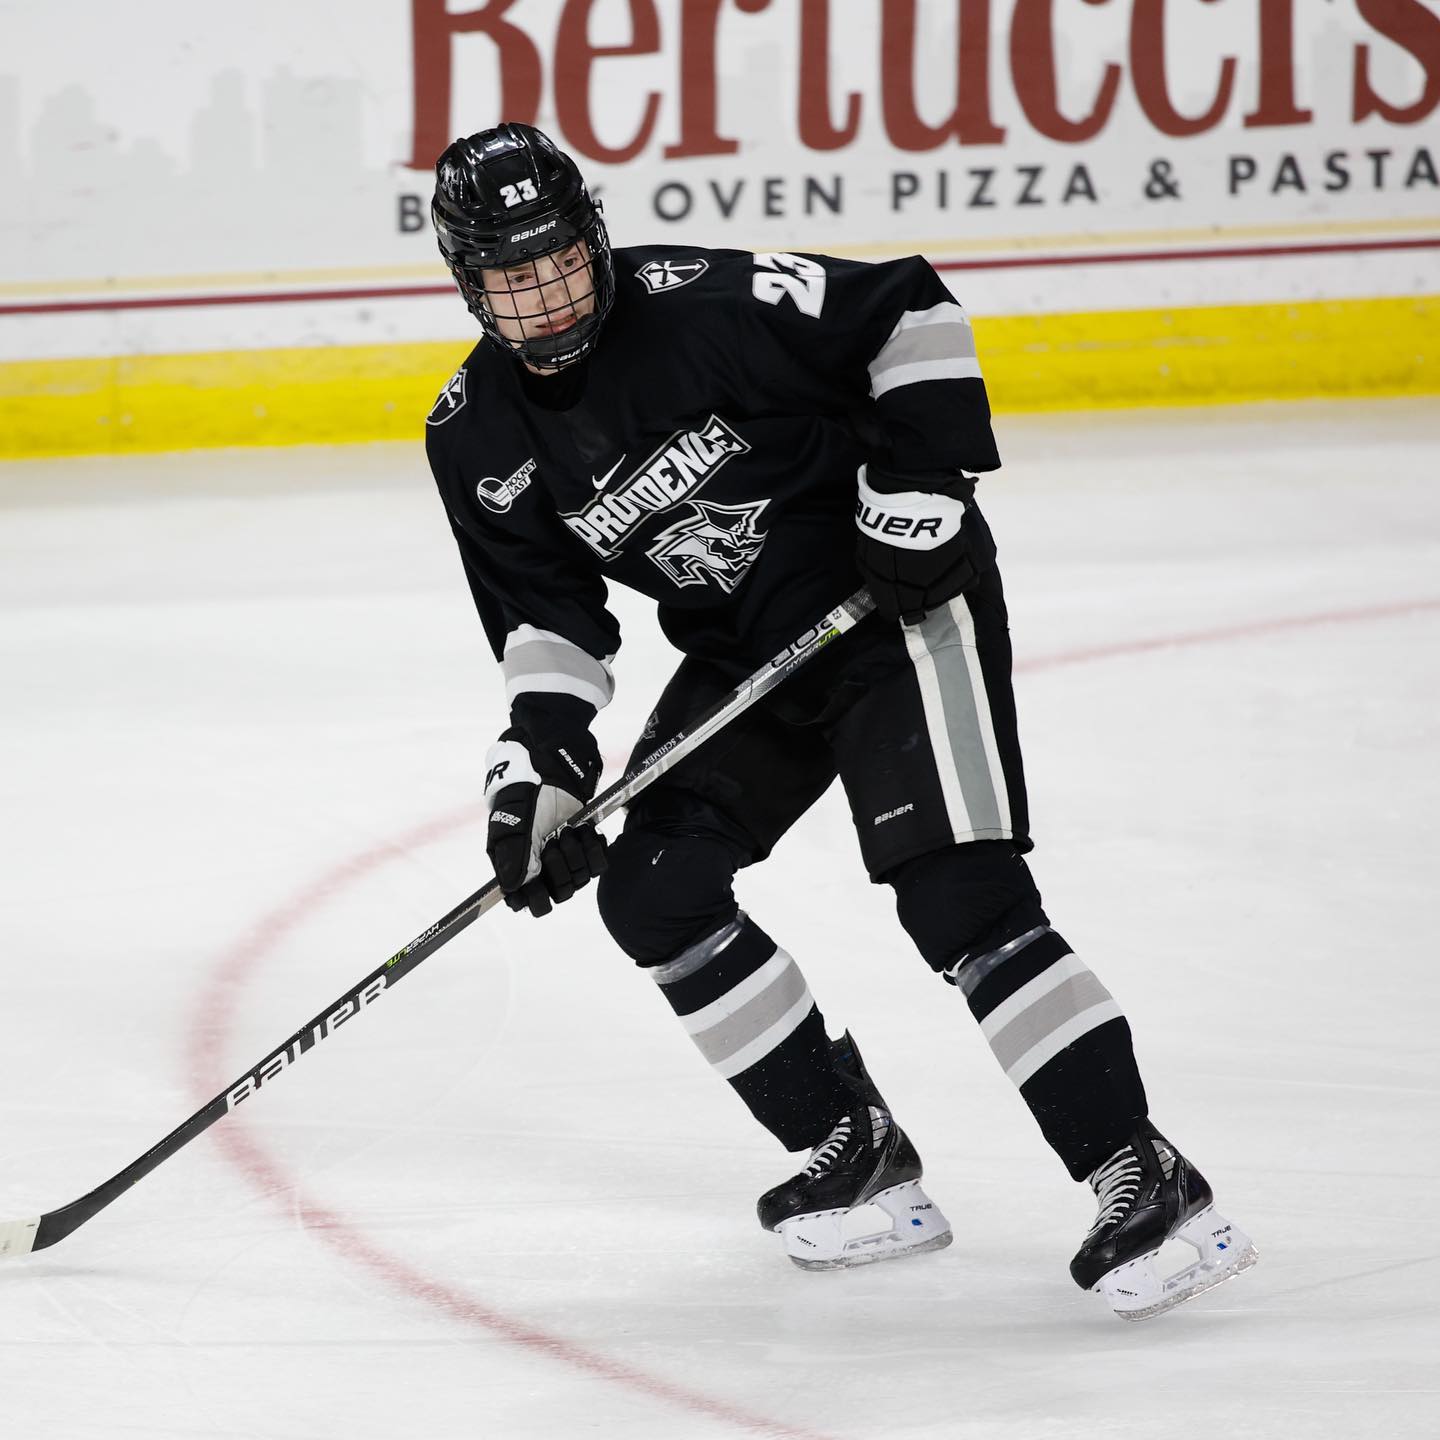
{"x":532,"y":789}
{"x":913,"y":552}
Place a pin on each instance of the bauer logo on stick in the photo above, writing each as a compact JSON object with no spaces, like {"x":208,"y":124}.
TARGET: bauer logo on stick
{"x":283,"y":1058}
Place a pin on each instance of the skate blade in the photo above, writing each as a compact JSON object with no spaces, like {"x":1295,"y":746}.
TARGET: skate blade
{"x":1137,"y":1291}
{"x":818,"y":1241}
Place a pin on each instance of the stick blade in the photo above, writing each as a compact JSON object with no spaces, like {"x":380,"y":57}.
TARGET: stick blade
{"x":17,"y":1237}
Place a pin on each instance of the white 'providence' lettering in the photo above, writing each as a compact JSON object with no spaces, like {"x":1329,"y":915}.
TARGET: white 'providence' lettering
{"x":675,"y":471}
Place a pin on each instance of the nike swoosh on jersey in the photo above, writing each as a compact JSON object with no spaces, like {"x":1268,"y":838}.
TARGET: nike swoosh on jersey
{"x":604,"y":480}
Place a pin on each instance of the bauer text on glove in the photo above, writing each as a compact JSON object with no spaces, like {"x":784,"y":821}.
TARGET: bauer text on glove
{"x":532,"y":789}
{"x":913,"y":551}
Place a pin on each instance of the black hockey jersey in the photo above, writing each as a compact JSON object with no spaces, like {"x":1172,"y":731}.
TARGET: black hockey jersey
{"x":705,"y":455}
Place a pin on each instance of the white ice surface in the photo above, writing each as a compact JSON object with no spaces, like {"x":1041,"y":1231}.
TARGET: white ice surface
{"x":238,"y":692}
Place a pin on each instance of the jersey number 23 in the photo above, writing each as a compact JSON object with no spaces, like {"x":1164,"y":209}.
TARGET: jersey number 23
{"x":778,"y":275}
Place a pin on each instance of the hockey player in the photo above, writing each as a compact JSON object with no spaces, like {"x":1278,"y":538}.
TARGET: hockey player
{"x":746,"y":439}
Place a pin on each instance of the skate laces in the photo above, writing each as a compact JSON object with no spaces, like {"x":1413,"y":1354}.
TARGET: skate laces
{"x":1116,"y":1184}
{"x":829,"y":1150}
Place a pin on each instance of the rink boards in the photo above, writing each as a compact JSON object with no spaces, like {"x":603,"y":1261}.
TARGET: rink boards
{"x":326,"y":393}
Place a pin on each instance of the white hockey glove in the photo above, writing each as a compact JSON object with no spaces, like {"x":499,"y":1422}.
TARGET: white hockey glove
{"x":913,"y":552}
{"x":532,"y":789}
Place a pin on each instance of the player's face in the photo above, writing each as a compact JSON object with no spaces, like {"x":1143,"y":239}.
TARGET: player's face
{"x":542,"y":297}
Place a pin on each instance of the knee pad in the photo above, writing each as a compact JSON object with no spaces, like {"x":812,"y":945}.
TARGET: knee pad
{"x":966,"y":900}
{"x":662,"y":892}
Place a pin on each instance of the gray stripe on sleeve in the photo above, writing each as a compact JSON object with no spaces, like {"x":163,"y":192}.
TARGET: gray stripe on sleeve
{"x":946,"y":340}
{"x":557,"y":666}
{"x":925,"y":344}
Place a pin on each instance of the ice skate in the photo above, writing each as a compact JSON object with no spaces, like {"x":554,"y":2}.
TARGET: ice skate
{"x":866,"y":1161}
{"x":1148,"y":1194}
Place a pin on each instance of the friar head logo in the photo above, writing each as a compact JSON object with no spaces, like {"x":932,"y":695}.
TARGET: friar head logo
{"x":713,"y":542}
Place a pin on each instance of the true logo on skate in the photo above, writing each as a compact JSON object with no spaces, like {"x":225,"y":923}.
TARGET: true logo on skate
{"x":282,"y":1059}
{"x":685,"y":462}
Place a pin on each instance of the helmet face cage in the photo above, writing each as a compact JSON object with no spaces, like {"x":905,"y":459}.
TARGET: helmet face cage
{"x":525,"y":243}
{"x":547,"y":310}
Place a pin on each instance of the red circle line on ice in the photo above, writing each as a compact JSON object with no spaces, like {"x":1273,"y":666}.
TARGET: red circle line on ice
{"x":347,"y":1238}
{"x":343,"y":1235}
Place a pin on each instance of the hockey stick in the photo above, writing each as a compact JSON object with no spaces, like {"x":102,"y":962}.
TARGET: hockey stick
{"x":20,"y":1237}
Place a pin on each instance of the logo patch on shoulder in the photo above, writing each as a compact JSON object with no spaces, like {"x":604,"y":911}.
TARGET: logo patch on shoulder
{"x":450,"y":401}
{"x":499,"y":495}
{"x":658,"y":276}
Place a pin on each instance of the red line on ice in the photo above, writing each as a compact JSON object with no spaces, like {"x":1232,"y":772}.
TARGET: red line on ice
{"x":1245,"y":630}
{"x":236,"y":965}
{"x":206,"y":1055}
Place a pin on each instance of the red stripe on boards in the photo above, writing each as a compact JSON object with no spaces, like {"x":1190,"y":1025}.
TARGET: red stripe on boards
{"x":1010,"y":262}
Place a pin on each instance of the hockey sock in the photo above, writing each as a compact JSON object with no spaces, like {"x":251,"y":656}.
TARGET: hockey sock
{"x":746,"y":1005}
{"x":1059,"y":1035}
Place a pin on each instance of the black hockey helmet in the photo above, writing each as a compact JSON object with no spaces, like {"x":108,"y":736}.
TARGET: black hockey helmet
{"x":505,"y":200}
